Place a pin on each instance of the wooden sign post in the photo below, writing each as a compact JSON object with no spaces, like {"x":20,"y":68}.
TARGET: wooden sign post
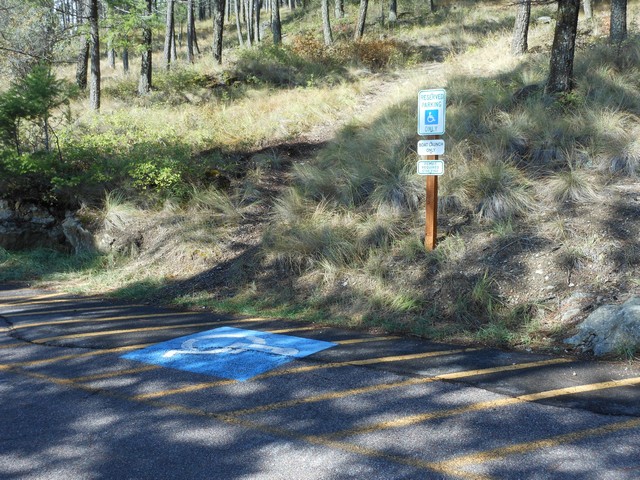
{"x":431,"y":123}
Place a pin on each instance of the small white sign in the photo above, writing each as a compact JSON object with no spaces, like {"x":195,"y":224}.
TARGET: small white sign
{"x":430,"y":147}
{"x":430,"y":167}
{"x":431,"y":111}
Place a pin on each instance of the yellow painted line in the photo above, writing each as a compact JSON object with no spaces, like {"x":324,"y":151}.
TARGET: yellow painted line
{"x":457,"y":463}
{"x":241,"y":422}
{"x":367,"y":339}
{"x":15,"y":345}
{"x":71,"y":356}
{"x":18,"y":298}
{"x":99,"y":320}
{"x":75,"y":310}
{"x":42,"y":302}
{"x":118,"y":373}
{"x":296,"y":370}
{"x":387,"y":386}
{"x":503,"y":402}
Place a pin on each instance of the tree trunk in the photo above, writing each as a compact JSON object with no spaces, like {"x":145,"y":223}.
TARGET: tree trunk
{"x":563,"y":49}
{"x":218,"y":29}
{"x":362,"y":18}
{"x":326,"y":23}
{"x":111,"y":57}
{"x":519,"y":45}
{"x":82,"y":65}
{"x":168,"y":36}
{"x":146,"y":62}
{"x":339,"y":9}
{"x":618,"y":31}
{"x":292,"y":4}
{"x":256,"y":12}
{"x":236,"y":5}
{"x":248,"y":14}
{"x":588,"y":11}
{"x":393,"y":11}
{"x":190,"y":31}
{"x":94,"y":85}
{"x":125,"y":60}
{"x":276,"y":24}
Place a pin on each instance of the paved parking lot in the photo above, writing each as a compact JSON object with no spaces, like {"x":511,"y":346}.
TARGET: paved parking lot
{"x":76,"y":404}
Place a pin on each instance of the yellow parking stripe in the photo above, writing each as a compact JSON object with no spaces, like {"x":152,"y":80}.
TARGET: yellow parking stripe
{"x":76,"y":310}
{"x":382,"y":387}
{"x":503,"y":402}
{"x":41,"y":302}
{"x":117,"y":373}
{"x":30,"y":298}
{"x":295,"y":370}
{"x":71,"y":356}
{"x":241,"y":422}
{"x":20,"y":326}
{"x":456,"y":464}
{"x":367,"y":339}
{"x":450,"y":467}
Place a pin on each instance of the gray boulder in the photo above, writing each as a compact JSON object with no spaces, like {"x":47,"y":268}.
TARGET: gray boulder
{"x":610,"y":329}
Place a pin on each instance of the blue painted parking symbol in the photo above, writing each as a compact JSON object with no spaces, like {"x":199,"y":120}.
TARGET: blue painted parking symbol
{"x":431,"y":117}
{"x":229,"y":352}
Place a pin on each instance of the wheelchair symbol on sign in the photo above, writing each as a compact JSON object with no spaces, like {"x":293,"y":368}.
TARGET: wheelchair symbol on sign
{"x":191,"y":347}
{"x":431,"y":117}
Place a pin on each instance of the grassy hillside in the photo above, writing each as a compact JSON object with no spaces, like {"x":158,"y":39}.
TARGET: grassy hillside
{"x":283,"y":182}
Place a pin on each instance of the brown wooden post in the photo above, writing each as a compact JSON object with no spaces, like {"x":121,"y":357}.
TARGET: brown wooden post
{"x":431,"y":209}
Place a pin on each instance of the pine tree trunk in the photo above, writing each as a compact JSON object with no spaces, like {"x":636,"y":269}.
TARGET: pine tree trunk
{"x":125,"y":60}
{"x":248,"y":9}
{"x":236,"y":5}
{"x":256,"y":12}
{"x":362,"y":18}
{"x":618,"y":31}
{"x":563,"y":49}
{"x":168,"y":36}
{"x":111,"y":57}
{"x":588,"y":11}
{"x":519,"y":44}
{"x":292,"y":4}
{"x":82,"y":65}
{"x":338,"y":10}
{"x":276,"y":25}
{"x":326,"y":23}
{"x":218,"y":29}
{"x":190,"y":31}
{"x":94,"y":84}
{"x":146,"y":62}
{"x":393,"y":11}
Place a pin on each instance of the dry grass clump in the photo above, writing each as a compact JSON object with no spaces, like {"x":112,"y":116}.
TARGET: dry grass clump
{"x":572,"y":186}
{"x":496,"y":191}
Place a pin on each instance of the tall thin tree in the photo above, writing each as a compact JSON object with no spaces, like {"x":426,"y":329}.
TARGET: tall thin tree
{"x":362,"y":18}
{"x":276,"y":24}
{"x":563,"y":49}
{"x":326,"y":23}
{"x":144,"y":85}
{"x":218,"y":28}
{"x":190,"y":30}
{"x":82,"y":64}
{"x":519,"y":44}
{"x":618,"y":24}
{"x":168,"y":35}
{"x":94,"y":83}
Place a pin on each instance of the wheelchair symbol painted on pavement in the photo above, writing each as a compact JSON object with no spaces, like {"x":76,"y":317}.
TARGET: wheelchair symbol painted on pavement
{"x":259,"y":344}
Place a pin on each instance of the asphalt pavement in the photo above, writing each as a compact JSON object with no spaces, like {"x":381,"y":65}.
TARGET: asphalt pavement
{"x":98,"y":389}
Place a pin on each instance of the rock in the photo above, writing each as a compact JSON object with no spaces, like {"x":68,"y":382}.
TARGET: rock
{"x":543,"y":20}
{"x":24,"y":226}
{"x":80,"y":238}
{"x":609,"y":329}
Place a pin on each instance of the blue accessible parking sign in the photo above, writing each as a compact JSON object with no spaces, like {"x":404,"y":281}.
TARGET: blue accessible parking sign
{"x":229,"y":352}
